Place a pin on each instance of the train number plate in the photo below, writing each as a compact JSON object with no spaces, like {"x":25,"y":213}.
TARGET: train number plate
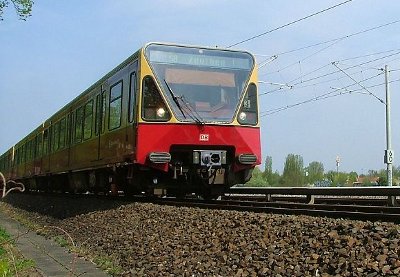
{"x":219,"y":177}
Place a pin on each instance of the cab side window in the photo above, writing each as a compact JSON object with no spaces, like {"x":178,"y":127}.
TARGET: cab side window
{"x":153,"y":106}
{"x":249,"y":109}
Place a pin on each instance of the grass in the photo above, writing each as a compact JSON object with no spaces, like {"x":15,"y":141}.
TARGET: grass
{"x":61,"y":241}
{"x":11,"y":261}
{"x":106,"y":263}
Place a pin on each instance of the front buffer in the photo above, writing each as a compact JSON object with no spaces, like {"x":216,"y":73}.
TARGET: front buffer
{"x":204,"y":159}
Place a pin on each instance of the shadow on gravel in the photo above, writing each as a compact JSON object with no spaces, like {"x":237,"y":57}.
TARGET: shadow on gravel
{"x":62,"y":206}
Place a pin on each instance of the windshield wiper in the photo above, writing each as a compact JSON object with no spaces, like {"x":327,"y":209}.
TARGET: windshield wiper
{"x":175,"y":98}
{"x":192,"y":114}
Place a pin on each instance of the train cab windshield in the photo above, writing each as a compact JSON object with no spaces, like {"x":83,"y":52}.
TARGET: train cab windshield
{"x":201,"y":85}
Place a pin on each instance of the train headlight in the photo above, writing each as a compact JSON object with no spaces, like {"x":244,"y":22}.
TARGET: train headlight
{"x":196,"y":157}
{"x":242,"y":116}
{"x":160,"y":112}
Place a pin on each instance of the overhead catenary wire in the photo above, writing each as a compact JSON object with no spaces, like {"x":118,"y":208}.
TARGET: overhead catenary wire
{"x":293,"y":85}
{"x":336,"y":92}
{"x":349,"y":86}
{"x":358,"y":83}
{"x":337,"y":71}
{"x":346,"y":59}
{"x":287,"y":87}
{"x":290,"y":23}
{"x":335,"y":40}
{"x":307,"y":57}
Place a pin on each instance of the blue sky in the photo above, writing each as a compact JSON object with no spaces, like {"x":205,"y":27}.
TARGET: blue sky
{"x":65,"y":46}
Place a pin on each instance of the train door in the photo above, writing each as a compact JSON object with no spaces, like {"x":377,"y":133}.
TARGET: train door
{"x":100,"y":119}
{"x":70,"y":135}
{"x":131,"y":131}
{"x":46,"y":150}
{"x":39,"y":152}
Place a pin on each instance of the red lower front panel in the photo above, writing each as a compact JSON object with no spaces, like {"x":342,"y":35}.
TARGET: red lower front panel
{"x":160,"y":137}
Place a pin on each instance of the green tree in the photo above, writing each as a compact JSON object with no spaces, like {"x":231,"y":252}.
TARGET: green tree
{"x":22,"y":7}
{"x":272,"y":178}
{"x":315,"y":172}
{"x":293,"y":171}
{"x":353,"y":176}
{"x":257,"y":179}
{"x":382,"y":174}
{"x":338,"y":179}
{"x":275,"y":179}
{"x":268,"y":167}
{"x":396,"y":173}
{"x":372,"y":173}
{"x":382,"y":181}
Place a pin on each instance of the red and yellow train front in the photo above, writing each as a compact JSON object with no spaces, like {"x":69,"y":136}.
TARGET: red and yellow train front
{"x":198,"y":122}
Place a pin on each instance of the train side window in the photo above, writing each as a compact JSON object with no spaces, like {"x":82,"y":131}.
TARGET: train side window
{"x":23,"y":155}
{"x":100,"y":113}
{"x":39,"y":145}
{"x":56,"y":136}
{"x":114,"y":114}
{"x":78,"y":124}
{"x":153,"y":106}
{"x":33,"y":148}
{"x":28,"y":150}
{"x":45,"y":142}
{"x":97,"y":115}
{"x":70,"y":131}
{"x":103,"y":112}
{"x":16,"y":156}
{"x":19,"y":155}
{"x":132,"y":96}
{"x":63,"y":128}
{"x":88,"y":121}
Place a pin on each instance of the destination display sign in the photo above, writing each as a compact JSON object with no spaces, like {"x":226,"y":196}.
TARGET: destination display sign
{"x":199,"y":60}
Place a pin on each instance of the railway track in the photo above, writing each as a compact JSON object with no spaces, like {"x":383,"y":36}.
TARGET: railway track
{"x":221,"y":236}
{"x":374,"y":208}
{"x":358,"y":212}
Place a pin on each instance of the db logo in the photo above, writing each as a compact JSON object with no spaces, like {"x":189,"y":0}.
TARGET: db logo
{"x":204,"y":137}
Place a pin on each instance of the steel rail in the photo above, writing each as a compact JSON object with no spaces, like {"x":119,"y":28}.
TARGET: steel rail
{"x":368,"y":201}
{"x":391,"y":193}
{"x":357,"y":212}
{"x":338,"y":191}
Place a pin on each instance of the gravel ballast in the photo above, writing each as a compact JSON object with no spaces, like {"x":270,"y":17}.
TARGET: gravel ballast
{"x":142,"y":239}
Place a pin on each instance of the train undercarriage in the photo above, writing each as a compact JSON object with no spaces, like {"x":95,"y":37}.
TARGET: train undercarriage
{"x":203,"y":172}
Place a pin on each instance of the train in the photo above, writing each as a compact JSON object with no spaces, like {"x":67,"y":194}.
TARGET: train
{"x":169,"y":120}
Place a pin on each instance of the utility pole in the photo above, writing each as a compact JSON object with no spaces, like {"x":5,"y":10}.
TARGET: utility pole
{"x":337,"y":167}
{"x":389,"y":155}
